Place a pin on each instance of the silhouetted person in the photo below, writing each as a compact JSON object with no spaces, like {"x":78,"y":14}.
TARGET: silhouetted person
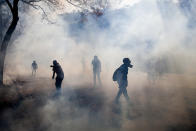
{"x":96,"y":69}
{"x":59,"y":74}
{"x":120,"y":75}
{"x":34,"y":68}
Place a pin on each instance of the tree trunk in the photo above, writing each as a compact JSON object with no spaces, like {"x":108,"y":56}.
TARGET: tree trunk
{"x":7,"y":38}
{"x":1,"y":24}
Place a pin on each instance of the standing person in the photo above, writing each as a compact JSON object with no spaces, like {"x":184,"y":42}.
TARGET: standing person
{"x":96,"y":70}
{"x":120,"y":75}
{"x":59,"y":74}
{"x":34,"y":68}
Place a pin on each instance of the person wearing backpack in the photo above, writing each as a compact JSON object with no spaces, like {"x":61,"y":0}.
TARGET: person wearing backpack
{"x":120,"y":75}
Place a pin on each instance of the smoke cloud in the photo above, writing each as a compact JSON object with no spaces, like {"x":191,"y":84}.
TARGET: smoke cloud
{"x":158,"y":37}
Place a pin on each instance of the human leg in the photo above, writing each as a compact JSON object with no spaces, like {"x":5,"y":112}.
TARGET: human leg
{"x":124,"y":85}
{"x":99,"y":79}
{"x":35,"y":73}
{"x":58,"y":83}
{"x":94,"y":78}
{"x":120,"y":91}
{"x":125,"y":94}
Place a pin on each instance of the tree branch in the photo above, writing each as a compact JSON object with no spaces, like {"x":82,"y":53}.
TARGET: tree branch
{"x":34,"y":6}
{"x":69,"y":1}
{"x":1,"y":2}
{"x":90,"y":5}
{"x":31,"y":1}
{"x":37,"y":7}
{"x":10,"y":6}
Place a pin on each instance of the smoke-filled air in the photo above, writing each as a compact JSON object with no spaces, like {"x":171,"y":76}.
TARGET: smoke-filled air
{"x":97,"y":65}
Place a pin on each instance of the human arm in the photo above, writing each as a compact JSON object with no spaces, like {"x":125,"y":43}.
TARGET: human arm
{"x":53,"y":75}
{"x":54,"y":71}
{"x":92,"y":62}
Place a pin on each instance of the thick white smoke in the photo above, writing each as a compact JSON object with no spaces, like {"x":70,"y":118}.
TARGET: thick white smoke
{"x":143,"y":30}
{"x":157,"y":35}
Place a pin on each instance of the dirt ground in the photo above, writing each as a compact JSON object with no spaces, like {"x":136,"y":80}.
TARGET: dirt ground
{"x":32,"y":105}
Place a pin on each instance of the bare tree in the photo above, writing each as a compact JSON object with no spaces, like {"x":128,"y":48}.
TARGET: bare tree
{"x":89,"y":5}
{"x":14,"y":9}
{"x":94,"y":6}
{"x":4,"y":18}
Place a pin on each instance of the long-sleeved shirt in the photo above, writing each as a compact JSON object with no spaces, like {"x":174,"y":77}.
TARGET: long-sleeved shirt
{"x":58,"y":70}
{"x":124,"y":71}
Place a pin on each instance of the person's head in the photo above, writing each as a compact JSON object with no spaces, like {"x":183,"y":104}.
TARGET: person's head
{"x":34,"y":61}
{"x":55,"y":62}
{"x":127,"y":62}
{"x":95,"y":57}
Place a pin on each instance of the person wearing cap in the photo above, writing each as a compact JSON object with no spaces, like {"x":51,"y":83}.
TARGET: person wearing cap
{"x":59,"y":74}
{"x":34,"y":68}
{"x":120,"y":75}
{"x":96,"y":70}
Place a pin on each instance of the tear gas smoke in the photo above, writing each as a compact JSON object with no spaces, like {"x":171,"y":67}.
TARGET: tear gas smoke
{"x":157,"y":35}
{"x":146,"y":31}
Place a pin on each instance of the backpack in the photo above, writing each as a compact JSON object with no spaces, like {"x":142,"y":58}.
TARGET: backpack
{"x":117,"y":75}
